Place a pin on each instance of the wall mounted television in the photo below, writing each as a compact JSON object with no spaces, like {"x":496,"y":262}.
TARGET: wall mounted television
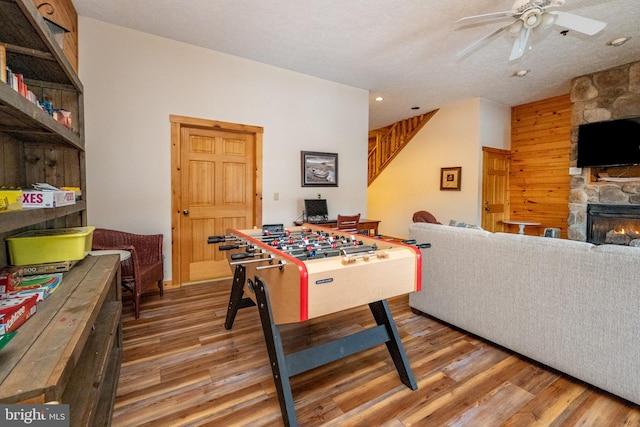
{"x":612,"y":143}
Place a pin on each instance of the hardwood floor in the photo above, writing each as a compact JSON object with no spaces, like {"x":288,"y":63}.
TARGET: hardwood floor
{"x":182,"y":368}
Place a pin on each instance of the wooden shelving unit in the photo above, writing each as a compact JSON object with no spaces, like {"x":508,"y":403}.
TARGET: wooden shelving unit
{"x":71,"y":349}
{"x":33,"y":146}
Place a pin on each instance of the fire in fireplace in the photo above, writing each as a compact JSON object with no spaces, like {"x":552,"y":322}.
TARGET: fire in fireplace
{"x":613,"y":224}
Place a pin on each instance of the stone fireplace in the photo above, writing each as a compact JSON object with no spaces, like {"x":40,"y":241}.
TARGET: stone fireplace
{"x":613,"y":224}
{"x":605,"y":95}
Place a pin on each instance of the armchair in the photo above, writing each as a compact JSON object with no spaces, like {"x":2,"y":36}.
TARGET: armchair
{"x":425,"y":216}
{"x":144,"y":268}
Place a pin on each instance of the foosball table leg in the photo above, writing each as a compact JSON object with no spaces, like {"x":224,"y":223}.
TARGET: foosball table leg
{"x":382,"y":314}
{"x":236,"y":300}
{"x":277,"y":357}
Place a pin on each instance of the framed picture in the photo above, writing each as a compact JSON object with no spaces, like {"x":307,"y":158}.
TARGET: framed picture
{"x":319,"y":169}
{"x":450,"y":178}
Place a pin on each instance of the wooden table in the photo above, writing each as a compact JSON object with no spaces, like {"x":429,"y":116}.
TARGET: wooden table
{"x":363,"y":224}
{"x":522,"y":224}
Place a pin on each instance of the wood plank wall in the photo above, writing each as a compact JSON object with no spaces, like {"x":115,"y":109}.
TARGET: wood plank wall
{"x":540,"y":150}
{"x":63,"y":13}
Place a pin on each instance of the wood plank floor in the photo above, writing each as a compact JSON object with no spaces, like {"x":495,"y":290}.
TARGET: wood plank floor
{"x":182,"y":368}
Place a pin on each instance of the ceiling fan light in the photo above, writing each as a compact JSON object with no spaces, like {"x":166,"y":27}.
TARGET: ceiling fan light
{"x":514,"y":29}
{"x":532,"y":21}
{"x":548,"y":19}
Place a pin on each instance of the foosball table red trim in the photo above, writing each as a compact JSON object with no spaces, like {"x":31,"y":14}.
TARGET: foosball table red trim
{"x":398,"y":272}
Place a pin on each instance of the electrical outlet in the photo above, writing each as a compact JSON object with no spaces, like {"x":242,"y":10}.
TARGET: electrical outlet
{"x":575,"y":171}
{"x":276,"y":196}
{"x":319,"y":196}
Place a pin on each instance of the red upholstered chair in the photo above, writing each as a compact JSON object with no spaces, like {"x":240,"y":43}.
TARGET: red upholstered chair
{"x":348,"y":223}
{"x":424,"y":216}
{"x":144,"y":268}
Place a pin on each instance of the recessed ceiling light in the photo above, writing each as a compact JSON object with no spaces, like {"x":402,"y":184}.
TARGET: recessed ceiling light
{"x":619,"y":41}
{"x":520,"y":73}
{"x":378,"y":98}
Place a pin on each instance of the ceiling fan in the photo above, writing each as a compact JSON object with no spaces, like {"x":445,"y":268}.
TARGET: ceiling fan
{"x":533,"y":15}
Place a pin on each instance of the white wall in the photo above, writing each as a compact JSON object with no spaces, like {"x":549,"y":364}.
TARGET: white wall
{"x":133,"y":81}
{"x":453,"y":137}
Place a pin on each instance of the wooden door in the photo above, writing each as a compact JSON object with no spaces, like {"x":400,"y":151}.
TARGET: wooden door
{"x":495,"y":188}
{"x":216,"y":186}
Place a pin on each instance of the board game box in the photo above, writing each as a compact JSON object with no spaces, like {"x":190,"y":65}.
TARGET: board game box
{"x":15,"y":311}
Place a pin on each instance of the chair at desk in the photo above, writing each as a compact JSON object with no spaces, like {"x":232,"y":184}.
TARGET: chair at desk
{"x":348,"y":223}
{"x":144,"y":268}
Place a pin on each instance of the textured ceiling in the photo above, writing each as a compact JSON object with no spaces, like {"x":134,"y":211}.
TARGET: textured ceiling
{"x":403,"y":50}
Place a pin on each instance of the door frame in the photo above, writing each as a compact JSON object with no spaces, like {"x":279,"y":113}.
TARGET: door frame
{"x":177,"y":123}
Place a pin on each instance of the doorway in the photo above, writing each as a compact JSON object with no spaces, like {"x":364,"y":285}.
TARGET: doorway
{"x":495,"y":188}
{"x":216,"y":184}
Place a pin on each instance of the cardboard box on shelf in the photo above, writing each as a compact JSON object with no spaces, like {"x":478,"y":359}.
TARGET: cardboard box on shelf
{"x":10,"y":278}
{"x":15,"y":311}
{"x":47,"y":268}
{"x":10,"y":200}
{"x":40,"y":285}
{"x":47,"y":199}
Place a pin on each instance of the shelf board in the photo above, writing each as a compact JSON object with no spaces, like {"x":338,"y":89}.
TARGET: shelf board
{"x":21,"y":117}
{"x":26,"y":217}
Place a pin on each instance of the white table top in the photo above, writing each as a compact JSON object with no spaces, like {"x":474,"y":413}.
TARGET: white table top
{"x":124,"y":255}
{"x":521,"y":222}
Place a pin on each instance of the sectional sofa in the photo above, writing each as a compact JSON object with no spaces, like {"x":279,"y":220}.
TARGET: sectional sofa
{"x":569,"y":305}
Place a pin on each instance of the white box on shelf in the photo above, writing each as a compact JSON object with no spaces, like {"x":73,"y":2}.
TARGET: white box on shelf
{"x":47,"y":199}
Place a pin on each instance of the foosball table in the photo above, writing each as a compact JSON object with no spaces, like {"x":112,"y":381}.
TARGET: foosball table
{"x":309,"y":271}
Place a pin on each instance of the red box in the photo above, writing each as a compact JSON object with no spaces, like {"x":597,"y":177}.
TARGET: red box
{"x":10,"y":278}
{"x":15,"y":311}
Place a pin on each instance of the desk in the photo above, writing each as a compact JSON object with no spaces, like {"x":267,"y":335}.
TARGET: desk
{"x":522,"y":224}
{"x":363,"y":224}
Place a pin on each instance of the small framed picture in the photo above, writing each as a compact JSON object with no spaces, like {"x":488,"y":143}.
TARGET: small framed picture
{"x":450,"y":178}
{"x":319,"y":169}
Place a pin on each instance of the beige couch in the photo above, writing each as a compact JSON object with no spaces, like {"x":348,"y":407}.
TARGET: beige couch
{"x":570,"y":305}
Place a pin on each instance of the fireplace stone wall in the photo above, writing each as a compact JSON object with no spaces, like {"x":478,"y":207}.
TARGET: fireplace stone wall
{"x":606,"y":95}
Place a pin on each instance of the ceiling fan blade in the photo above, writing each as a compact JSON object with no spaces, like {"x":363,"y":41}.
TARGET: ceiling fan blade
{"x":577,"y":23}
{"x":520,"y":44}
{"x":478,"y":42}
{"x":487,"y":15}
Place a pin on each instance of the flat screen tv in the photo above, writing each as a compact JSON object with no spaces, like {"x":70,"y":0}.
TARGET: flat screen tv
{"x":612,"y":143}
